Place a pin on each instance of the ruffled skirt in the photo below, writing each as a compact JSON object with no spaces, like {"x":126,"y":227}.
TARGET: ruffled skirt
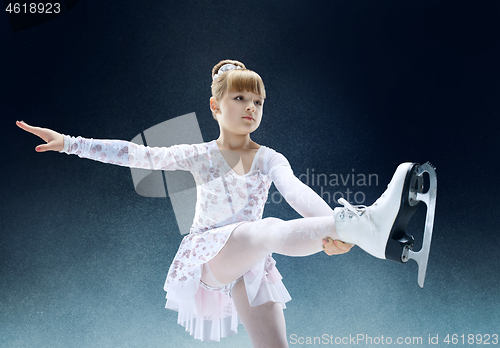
{"x":208,"y":313}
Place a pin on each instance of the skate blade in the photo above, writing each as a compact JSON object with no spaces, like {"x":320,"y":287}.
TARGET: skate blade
{"x":429,"y":198}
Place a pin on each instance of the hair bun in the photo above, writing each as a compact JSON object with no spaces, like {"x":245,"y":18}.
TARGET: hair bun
{"x":226,"y":61}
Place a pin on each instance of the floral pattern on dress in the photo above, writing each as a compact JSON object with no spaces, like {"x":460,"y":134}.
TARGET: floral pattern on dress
{"x":224,"y":198}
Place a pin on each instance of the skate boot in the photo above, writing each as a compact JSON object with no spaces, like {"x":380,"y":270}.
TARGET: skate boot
{"x":380,"y":229}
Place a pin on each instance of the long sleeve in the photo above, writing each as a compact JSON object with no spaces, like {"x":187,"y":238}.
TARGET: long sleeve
{"x":128,"y":154}
{"x":300,"y":196}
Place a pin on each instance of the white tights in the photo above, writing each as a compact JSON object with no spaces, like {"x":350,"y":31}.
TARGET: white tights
{"x":249,"y":243}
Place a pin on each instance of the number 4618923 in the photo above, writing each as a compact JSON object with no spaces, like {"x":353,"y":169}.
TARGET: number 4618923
{"x":33,"y":8}
{"x":471,"y":339}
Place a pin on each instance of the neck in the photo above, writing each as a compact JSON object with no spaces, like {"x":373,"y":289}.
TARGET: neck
{"x":234,"y":141}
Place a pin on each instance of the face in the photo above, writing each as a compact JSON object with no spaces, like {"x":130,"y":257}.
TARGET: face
{"x":238,"y":112}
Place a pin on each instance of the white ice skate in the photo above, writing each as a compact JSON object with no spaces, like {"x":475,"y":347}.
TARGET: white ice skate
{"x":380,"y":229}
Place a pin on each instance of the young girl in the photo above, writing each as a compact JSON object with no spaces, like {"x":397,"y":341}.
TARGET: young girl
{"x":223,"y":271}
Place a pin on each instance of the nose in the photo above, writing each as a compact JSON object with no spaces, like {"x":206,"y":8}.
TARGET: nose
{"x":251,"y":107}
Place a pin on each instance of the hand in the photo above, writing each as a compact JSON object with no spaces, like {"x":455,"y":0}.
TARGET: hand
{"x":55,"y":141}
{"x":335,"y":247}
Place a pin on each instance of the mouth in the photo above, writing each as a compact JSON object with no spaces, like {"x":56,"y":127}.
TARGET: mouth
{"x":248,"y":118}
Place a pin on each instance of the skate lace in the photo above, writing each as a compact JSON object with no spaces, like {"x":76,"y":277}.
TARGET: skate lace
{"x":359,"y":210}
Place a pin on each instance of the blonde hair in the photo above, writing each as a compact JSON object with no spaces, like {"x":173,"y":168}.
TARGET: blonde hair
{"x":236,"y":80}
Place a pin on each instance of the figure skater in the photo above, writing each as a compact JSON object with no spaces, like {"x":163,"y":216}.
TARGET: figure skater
{"x":223,"y":273}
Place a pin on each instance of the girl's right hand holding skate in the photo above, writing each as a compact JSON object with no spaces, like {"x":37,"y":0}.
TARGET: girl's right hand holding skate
{"x":54,"y":140}
{"x":335,"y":247}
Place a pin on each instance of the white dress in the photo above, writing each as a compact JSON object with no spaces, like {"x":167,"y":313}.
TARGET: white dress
{"x":224,"y":201}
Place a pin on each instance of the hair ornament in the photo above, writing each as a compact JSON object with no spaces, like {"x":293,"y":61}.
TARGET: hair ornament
{"x":224,"y":68}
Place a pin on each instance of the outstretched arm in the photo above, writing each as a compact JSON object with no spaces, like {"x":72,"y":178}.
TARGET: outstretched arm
{"x":118,"y":152}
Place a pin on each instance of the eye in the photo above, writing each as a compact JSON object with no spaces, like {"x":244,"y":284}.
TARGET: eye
{"x":259,"y":102}
{"x":239,"y":97}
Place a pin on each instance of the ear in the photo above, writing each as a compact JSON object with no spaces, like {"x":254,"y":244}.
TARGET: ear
{"x":214,"y":105}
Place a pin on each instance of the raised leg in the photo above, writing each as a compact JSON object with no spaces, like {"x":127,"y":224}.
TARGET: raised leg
{"x":252,"y":241}
{"x":379,"y":229}
{"x":265,"y":324}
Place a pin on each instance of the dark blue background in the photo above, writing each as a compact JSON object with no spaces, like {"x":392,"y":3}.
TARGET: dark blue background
{"x":353,"y":86}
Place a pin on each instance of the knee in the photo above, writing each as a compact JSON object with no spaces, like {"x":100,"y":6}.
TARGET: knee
{"x":262,"y":228}
{"x":264,"y":225}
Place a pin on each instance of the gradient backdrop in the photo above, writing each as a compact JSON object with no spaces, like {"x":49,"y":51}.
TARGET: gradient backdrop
{"x":353,"y":87}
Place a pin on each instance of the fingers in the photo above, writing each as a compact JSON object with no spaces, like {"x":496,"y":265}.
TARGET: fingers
{"x":54,"y":140}
{"x":343,"y":246}
{"x":42,"y":148}
{"x":51,"y":145}
{"x":335,"y":247}
{"x":24,"y":125}
{"x":329,"y":247}
{"x":34,"y":130}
